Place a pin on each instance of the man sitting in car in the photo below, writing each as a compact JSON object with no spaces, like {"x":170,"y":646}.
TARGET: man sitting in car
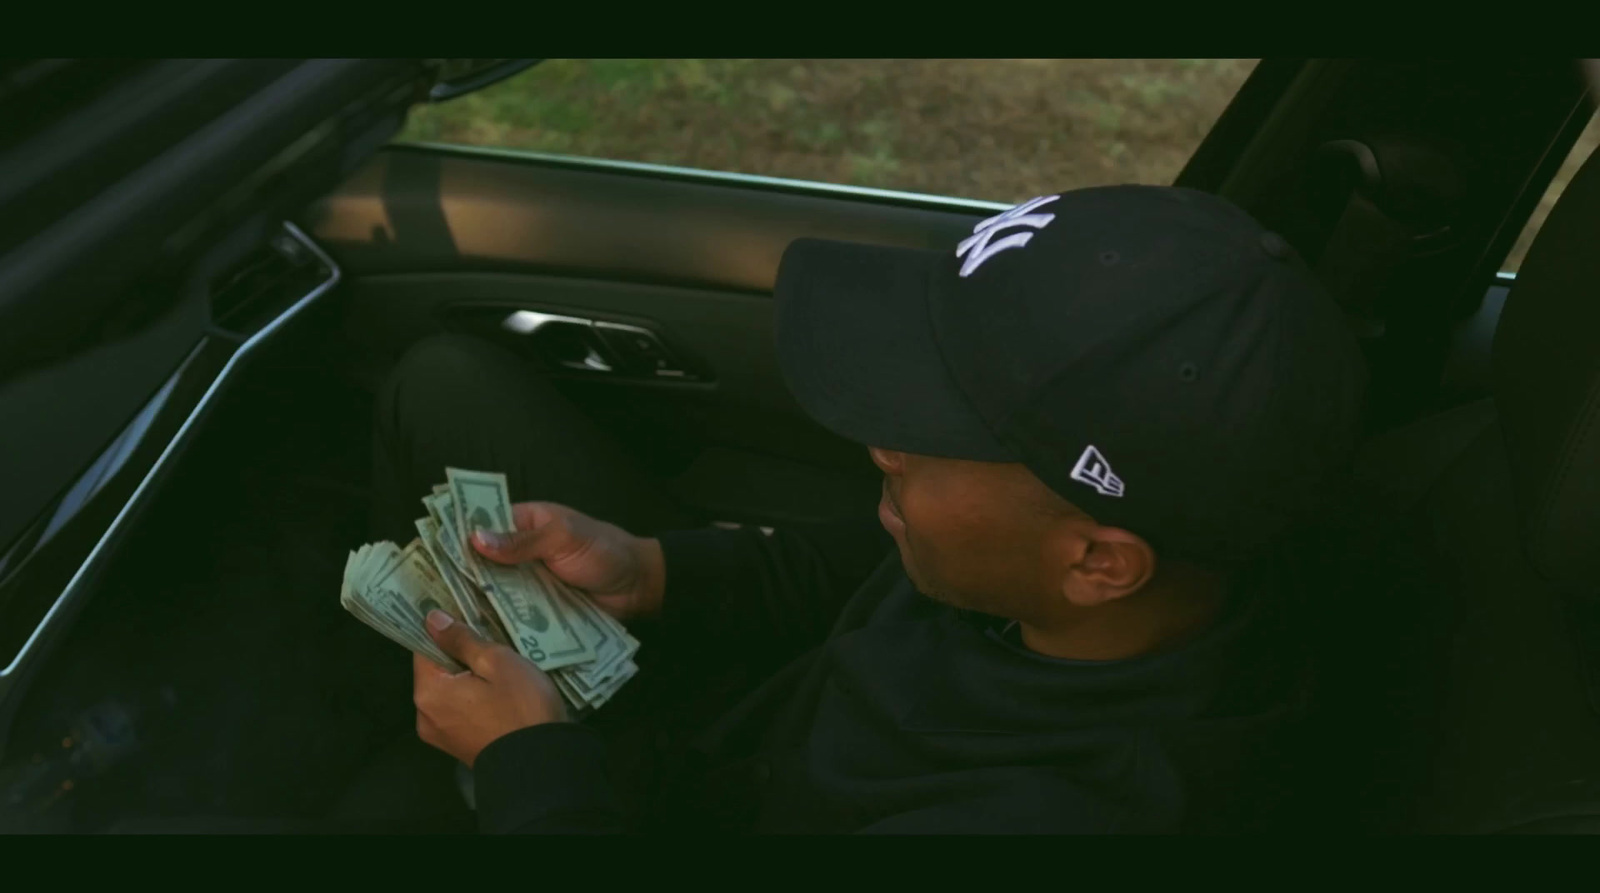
{"x":1097,"y":419}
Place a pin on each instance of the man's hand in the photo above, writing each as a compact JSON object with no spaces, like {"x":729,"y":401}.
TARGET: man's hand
{"x":623,"y":573}
{"x":501,"y":692}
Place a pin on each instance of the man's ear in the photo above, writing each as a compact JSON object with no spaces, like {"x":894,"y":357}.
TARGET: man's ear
{"x":1112,"y":563}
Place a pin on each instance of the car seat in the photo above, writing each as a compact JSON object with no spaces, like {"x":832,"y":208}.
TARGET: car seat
{"x":1457,"y":624}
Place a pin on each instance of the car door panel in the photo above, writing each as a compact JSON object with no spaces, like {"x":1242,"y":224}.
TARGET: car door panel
{"x":440,"y":240}
{"x":69,"y":411}
{"x":49,"y":569}
{"x":417,"y":209}
{"x":745,"y":410}
{"x":120,"y":319}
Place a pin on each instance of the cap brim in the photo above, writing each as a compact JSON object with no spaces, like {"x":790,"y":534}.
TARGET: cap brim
{"x":857,"y":349}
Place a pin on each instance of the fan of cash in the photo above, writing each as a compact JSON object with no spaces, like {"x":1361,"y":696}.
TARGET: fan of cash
{"x":587,"y":653}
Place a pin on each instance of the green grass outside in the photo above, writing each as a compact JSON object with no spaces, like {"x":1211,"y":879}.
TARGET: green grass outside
{"x":1001,"y":130}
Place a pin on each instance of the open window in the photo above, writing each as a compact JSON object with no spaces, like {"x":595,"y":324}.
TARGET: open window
{"x":999,"y":130}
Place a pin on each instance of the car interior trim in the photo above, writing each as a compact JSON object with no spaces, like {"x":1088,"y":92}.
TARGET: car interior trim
{"x":724,"y":178}
{"x":124,"y":445}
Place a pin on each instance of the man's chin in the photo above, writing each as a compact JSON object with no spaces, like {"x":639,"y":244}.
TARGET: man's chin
{"x":919,"y":581}
{"x":905,"y":560}
{"x":921,"y":584}
{"x":909,"y":567}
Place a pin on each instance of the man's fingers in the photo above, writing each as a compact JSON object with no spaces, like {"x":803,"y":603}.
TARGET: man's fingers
{"x":507,"y":548}
{"x":543,"y":529}
{"x":538,"y":515}
{"x":424,"y":669}
{"x":533,"y":523}
{"x":458,"y":641}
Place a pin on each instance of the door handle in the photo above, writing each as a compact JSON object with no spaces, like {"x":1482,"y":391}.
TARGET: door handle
{"x":526,"y":322}
{"x":568,"y":341}
{"x":588,"y":345}
{"x":642,"y":353}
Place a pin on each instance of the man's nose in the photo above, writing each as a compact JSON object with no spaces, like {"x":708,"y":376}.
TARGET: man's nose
{"x":889,"y":461}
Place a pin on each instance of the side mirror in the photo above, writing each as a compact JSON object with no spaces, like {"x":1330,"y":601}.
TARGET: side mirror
{"x":458,"y":77}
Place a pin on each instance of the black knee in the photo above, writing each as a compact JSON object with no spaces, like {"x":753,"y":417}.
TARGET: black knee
{"x":432,"y":374}
{"x":417,"y":418}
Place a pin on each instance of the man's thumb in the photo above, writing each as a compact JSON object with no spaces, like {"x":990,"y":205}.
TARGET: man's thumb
{"x":457,"y":639}
{"x":506,"y":548}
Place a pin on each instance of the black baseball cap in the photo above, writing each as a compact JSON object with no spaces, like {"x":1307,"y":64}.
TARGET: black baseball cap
{"x":1152,"y":354}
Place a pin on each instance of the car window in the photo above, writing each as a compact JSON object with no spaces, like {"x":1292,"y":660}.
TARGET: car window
{"x":1581,"y":150}
{"x":999,"y":130}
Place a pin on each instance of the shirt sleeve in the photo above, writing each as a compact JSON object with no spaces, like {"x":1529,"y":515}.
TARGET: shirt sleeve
{"x":546,"y":779}
{"x":780,"y":590}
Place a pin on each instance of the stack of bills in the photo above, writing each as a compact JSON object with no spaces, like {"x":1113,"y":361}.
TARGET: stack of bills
{"x":587,"y":653}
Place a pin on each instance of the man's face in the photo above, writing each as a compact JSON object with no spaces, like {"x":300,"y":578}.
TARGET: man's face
{"x":979,"y":535}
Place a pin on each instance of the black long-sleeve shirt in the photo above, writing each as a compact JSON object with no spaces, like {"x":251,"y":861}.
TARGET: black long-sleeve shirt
{"x":912,"y":716}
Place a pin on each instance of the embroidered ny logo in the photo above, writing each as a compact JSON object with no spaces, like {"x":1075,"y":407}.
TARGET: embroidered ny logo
{"x":1021,"y":215}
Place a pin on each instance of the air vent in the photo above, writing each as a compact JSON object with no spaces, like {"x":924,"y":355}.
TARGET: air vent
{"x":266,"y":282}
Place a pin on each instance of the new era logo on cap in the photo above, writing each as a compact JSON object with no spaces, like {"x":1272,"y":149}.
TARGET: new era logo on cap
{"x":1094,"y":470}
